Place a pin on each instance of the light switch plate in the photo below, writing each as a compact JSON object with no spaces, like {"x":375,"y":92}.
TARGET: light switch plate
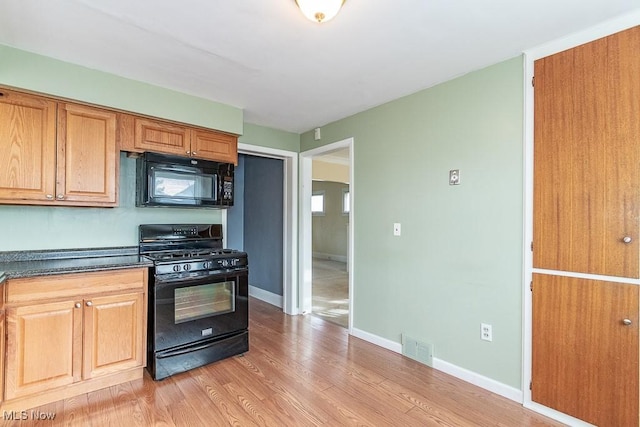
{"x":397,"y":229}
{"x":454,"y":177}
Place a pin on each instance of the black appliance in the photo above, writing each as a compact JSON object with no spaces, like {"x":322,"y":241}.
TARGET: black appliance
{"x":164,"y":180}
{"x":198,"y":297}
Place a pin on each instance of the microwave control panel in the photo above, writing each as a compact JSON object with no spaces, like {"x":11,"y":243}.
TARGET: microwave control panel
{"x":227,"y":189}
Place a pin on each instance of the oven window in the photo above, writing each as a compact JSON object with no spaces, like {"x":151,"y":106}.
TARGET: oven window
{"x":197,"y":302}
{"x":183,"y":185}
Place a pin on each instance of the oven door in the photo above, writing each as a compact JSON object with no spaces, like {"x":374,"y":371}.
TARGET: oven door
{"x":191,"y":310}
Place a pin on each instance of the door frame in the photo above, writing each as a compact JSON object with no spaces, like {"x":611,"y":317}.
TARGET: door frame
{"x":601,"y":30}
{"x":305,"y":259}
{"x":290,"y":220}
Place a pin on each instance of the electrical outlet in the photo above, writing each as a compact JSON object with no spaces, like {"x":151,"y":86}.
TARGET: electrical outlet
{"x":486,"y":332}
{"x":397,"y":229}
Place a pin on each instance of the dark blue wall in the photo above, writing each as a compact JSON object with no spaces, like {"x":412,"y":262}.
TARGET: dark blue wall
{"x":263,"y":216}
{"x":235,"y":215}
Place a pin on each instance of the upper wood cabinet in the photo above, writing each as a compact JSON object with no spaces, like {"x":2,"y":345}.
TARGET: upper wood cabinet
{"x":139,"y":134}
{"x":56,"y":153}
{"x":152,"y":135}
{"x":587,"y":158}
{"x":87,"y":165}
{"x":27,"y":147}
{"x":214,"y":145}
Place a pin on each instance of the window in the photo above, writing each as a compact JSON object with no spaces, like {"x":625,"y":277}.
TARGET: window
{"x":317,"y":203}
{"x":346,"y":201}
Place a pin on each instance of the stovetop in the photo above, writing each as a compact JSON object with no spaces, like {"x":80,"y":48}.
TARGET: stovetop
{"x":191,"y":255}
{"x":188,"y":248}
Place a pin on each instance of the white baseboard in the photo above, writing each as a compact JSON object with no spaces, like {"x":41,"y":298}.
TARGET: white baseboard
{"x":474,"y":378}
{"x":266,"y":296}
{"x":379,"y":341}
{"x":448,"y":368}
{"x":330,"y":257}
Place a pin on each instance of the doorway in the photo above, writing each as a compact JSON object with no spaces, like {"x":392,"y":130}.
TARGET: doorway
{"x":326,"y":260}
{"x":288,"y":300}
{"x":330,"y":212}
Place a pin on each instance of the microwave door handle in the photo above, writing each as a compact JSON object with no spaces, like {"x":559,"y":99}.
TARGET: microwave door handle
{"x":177,"y":168}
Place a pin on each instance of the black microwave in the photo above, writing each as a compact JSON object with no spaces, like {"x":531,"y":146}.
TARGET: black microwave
{"x":165,"y":180}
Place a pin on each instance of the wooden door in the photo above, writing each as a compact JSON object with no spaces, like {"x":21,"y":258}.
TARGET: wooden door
{"x":161,"y":137}
{"x":27,"y":147}
{"x":585,"y":355}
{"x":113,"y":334}
{"x":87,"y":155}
{"x":214,"y":146}
{"x":587,"y":158}
{"x":44,"y":349}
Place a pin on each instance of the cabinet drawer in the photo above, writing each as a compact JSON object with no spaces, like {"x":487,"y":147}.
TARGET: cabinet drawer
{"x":73,"y":285}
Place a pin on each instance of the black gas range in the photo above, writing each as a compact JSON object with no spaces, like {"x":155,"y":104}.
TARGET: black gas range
{"x":198,"y":297}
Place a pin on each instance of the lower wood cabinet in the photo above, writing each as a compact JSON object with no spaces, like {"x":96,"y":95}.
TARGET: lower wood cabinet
{"x":59,"y":345}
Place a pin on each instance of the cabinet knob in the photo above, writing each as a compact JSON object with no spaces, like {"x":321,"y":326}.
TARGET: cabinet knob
{"x":89,"y":303}
{"x":49,"y":196}
{"x":60,"y":196}
{"x":188,"y":152}
{"x":626,"y":322}
{"x":194,"y":153}
{"x":627,"y":239}
{"x":78,"y":305}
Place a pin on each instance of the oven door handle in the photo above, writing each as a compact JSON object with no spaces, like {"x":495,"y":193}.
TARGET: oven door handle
{"x":189,"y":349}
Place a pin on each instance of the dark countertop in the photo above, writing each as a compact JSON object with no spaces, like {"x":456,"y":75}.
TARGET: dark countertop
{"x":16,"y":264}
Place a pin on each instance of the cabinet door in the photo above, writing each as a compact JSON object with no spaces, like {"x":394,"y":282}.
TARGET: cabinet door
{"x":587,"y":158}
{"x":44,"y":347}
{"x":161,"y":137}
{"x":87,"y":166}
{"x":585,"y":349}
{"x":214,"y":146}
{"x":27,"y":147}
{"x":2,"y":347}
{"x":113,"y":334}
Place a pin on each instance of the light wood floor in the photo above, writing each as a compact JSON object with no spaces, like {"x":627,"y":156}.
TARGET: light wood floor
{"x":299,"y":371}
{"x":330,"y":291}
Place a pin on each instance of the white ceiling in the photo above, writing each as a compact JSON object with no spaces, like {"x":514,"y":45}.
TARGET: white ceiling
{"x":283,"y":70}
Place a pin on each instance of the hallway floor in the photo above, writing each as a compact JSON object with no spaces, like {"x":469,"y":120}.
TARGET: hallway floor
{"x":330,"y":291}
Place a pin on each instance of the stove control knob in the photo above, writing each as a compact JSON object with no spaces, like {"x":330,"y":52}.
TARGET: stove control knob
{"x":225,"y":263}
{"x":206,"y":265}
{"x":186,"y":267}
{"x":176,"y":268}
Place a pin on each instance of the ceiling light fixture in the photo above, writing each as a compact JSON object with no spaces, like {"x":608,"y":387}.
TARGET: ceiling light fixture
{"x":320,"y":10}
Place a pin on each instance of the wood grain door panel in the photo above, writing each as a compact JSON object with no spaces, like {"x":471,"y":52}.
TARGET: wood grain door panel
{"x":587,"y":158}
{"x":214,"y":146}
{"x":87,"y":155}
{"x":113,"y":334}
{"x":27,"y":147}
{"x":45,"y":347}
{"x":585,"y":359}
{"x":160,"y":137}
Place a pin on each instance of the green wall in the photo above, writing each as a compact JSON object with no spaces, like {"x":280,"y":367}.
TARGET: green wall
{"x":459,"y":260}
{"x":42,"y":74}
{"x":269,"y":137}
{"x":42,"y":227}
